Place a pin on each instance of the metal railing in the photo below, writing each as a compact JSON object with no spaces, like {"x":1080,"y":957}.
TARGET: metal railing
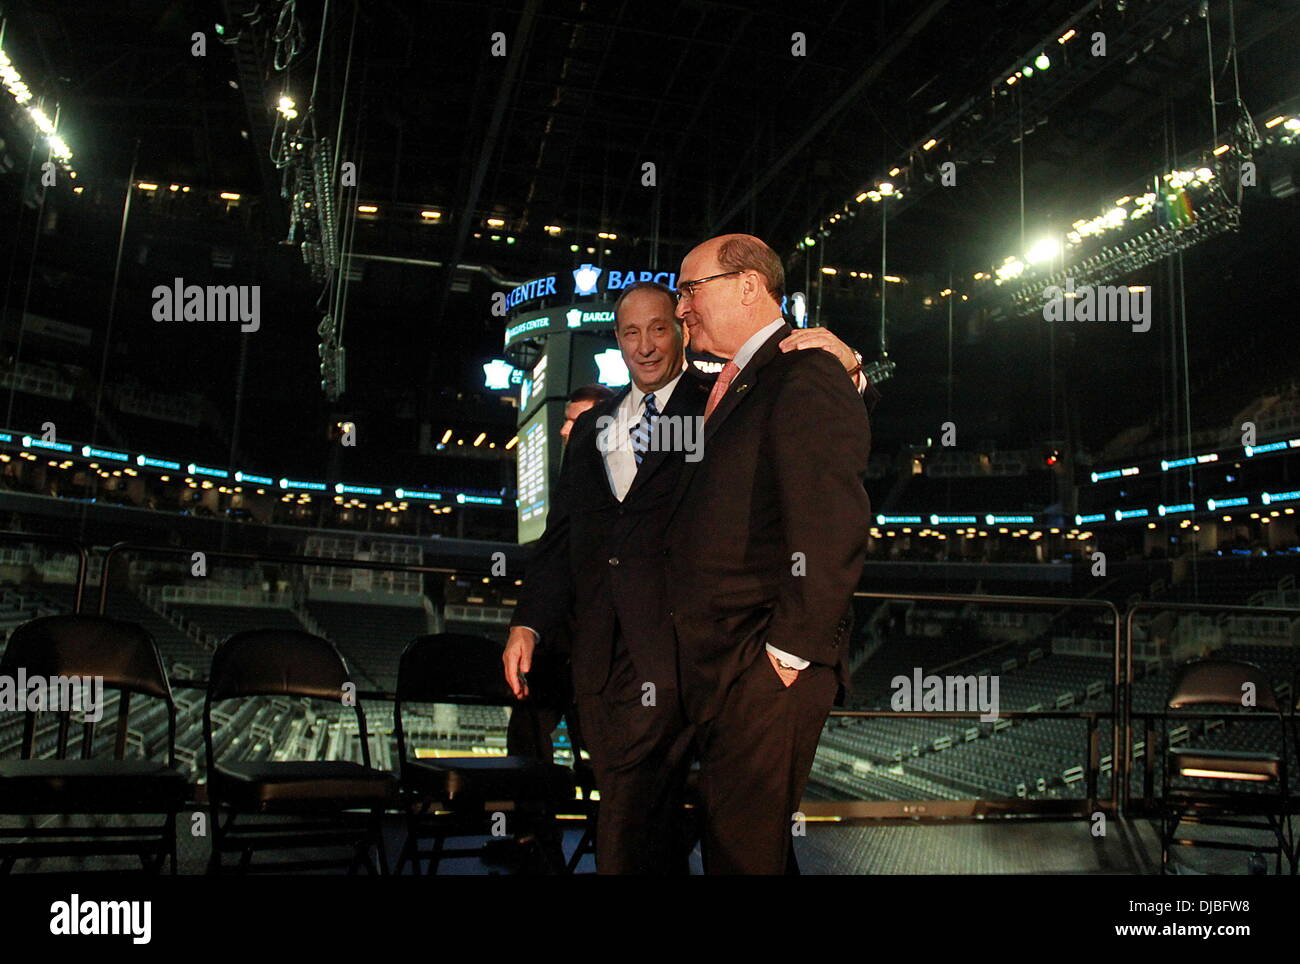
{"x":83,"y":559}
{"x":1092,"y":717}
{"x":1175,"y":607}
{"x":1120,"y":714}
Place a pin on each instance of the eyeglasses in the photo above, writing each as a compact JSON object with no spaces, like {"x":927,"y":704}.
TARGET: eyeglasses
{"x":687,"y":288}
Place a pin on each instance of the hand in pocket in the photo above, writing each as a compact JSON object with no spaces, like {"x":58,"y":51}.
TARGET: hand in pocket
{"x":788,"y":676}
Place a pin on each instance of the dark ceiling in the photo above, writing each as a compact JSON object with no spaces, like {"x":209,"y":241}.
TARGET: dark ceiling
{"x":744,"y":134}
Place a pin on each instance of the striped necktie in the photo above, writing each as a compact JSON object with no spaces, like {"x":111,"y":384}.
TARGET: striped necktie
{"x":642,"y":429}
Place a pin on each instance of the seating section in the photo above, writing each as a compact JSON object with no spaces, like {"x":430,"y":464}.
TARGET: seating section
{"x":371,"y":637}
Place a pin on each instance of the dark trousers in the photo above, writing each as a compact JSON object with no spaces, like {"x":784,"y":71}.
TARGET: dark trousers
{"x":755,"y":757}
{"x":639,"y":741}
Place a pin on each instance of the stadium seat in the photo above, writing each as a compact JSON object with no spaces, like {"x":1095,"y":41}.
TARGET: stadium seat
{"x":125,"y":656}
{"x":1218,"y":682}
{"x":461,"y":796}
{"x":294,"y":803}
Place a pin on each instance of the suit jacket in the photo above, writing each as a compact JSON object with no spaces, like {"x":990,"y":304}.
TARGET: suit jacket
{"x":601,"y":560}
{"x":769,"y":529}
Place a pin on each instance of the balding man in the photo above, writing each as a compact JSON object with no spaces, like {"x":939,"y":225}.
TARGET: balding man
{"x":597,"y":577}
{"x":765,"y":548}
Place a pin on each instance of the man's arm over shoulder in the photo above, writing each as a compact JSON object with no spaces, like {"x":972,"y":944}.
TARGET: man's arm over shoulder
{"x":821,"y":440}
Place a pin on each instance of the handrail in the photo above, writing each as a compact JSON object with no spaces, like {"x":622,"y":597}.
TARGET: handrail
{"x":11,"y":535}
{"x":1119,"y":772}
{"x":257,"y":557}
{"x":1150,"y":605}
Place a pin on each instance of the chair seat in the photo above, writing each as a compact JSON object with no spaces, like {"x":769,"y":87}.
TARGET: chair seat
{"x":476,"y":779}
{"x":1231,"y":761}
{"x":296,"y":785}
{"x":91,"y":786}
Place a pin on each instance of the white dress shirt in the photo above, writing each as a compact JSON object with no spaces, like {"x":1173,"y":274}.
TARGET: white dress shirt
{"x":620,"y":460}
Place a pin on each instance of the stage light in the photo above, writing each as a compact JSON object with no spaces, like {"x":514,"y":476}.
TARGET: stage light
{"x":431,"y":215}
{"x":287,"y":107}
{"x":495,"y":223}
{"x":1042,"y":61}
{"x":861,"y":197}
{"x":229,"y":196}
{"x":893,"y":172}
{"x":1221,"y":149}
{"x":830,"y":271}
{"x":1065,"y":36}
{"x":573,"y":248}
{"x":479,"y":441}
{"x":446,"y":436}
{"x":886,"y":188}
{"x":1043,"y":250}
{"x":606,"y":236}
{"x":1291,"y":124}
{"x":1027,"y":70}
{"x":809,"y":241}
{"x":147,"y":186}
{"x":552,"y":229}
{"x":1011,"y":81}
{"x":367,"y":209}
{"x":929,"y":144}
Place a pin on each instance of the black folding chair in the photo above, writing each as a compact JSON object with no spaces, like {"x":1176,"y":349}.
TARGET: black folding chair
{"x":298,"y":803}
{"x":56,"y":649}
{"x":468,"y":796}
{"x":1223,"y":683}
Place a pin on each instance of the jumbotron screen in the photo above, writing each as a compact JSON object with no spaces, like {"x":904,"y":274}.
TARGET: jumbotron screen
{"x":534,"y":473}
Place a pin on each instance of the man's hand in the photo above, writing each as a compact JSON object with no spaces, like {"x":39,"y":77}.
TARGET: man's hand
{"x":821,"y":338}
{"x":518,"y":658}
{"x":788,"y":676}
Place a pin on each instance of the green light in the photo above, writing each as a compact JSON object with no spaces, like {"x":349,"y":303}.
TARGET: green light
{"x":809,"y":241}
{"x":1042,"y":61}
{"x":1027,"y":70}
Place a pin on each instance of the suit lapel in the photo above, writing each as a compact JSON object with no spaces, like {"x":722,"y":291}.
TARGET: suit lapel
{"x":740,"y":389}
{"x":687,"y":400}
{"x":744,"y":382}
{"x":591,"y":454}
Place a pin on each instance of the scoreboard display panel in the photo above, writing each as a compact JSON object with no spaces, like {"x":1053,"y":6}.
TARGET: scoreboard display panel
{"x":539,"y":434}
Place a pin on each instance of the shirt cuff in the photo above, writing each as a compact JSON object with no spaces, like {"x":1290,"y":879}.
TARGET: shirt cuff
{"x":860,"y":382}
{"x":785,"y":657}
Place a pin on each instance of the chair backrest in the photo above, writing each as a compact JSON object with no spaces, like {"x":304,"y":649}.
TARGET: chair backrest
{"x":1220,"y":682}
{"x":279,"y":662}
{"x":450,"y":668}
{"x":120,"y":653}
{"x":453,"y":668}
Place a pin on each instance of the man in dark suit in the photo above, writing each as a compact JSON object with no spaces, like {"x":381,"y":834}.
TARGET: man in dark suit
{"x":597,"y":579}
{"x":765,"y":548}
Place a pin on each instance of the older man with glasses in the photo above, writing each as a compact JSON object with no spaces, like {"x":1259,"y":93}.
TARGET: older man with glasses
{"x":597,"y":578}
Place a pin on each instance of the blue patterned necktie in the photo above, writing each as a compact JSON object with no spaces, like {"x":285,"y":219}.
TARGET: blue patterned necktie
{"x":642,"y":429}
